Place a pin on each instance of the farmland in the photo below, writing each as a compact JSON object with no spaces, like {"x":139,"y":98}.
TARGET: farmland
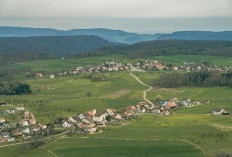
{"x":191,"y":131}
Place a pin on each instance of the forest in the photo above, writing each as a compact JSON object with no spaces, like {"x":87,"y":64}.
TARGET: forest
{"x":201,"y":78}
{"x":167,"y":47}
{"x":14,"y":88}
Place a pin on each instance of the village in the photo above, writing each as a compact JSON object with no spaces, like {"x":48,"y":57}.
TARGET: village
{"x":27,"y":127}
{"x":140,"y":66}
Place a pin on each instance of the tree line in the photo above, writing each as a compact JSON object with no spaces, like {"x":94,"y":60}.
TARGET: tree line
{"x":201,"y":78}
{"x":14,"y":88}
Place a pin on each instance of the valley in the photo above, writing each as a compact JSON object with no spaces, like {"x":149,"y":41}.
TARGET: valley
{"x":193,"y":130}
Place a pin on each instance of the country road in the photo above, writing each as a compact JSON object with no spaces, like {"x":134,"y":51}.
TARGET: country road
{"x":145,"y":91}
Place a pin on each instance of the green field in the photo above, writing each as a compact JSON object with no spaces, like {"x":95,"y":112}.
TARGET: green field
{"x":57,"y":65}
{"x":190,"y":132}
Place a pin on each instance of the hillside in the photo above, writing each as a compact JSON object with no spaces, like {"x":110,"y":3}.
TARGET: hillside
{"x":107,"y":34}
{"x":170,"y":47}
{"x":197,"y":35}
{"x":54,"y":45}
{"x":114,"y":35}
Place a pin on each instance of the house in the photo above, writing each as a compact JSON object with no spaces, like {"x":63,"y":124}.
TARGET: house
{"x":91,"y":113}
{"x":90,"y":129}
{"x":32,"y":121}
{"x":10,"y":139}
{"x":52,"y":76}
{"x":184,"y":103}
{"x":38,"y":75}
{"x":81,"y":116}
{"x":17,"y":133}
{"x":2,"y":139}
{"x":20,"y":108}
{"x":218,"y":111}
{"x":26,"y":130}
{"x":109,"y":112}
{"x":2,"y":120}
{"x":26,"y":114}
{"x":5,"y":134}
{"x":66,"y":124}
{"x":24,"y":123}
{"x":118,"y":117}
{"x":71,"y":120}
{"x":99,"y":117}
{"x":35,"y":128}
{"x":43,"y":126}
{"x":171,"y":105}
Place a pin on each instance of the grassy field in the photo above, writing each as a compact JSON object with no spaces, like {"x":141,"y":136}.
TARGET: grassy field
{"x":191,"y":132}
{"x":69,"y":95}
{"x":56,"y":65}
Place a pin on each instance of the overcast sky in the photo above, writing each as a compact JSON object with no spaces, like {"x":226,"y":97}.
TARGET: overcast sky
{"x":129,"y":15}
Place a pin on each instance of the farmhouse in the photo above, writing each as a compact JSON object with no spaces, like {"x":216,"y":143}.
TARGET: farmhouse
{"x":218,"y":111}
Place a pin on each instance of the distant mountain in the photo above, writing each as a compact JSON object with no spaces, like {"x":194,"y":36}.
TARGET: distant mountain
{"x":114,"y":35}
{"x":197,"y":35}
{"x":107,"y":34}
{"x":54,"y":45}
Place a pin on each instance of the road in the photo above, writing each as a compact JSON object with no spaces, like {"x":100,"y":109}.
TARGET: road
{"x":145,"y":91}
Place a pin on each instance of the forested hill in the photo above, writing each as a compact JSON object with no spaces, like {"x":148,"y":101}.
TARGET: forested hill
{"x":197,"y":35}
{"x":54,"y":45}
{"x":170,"y":47}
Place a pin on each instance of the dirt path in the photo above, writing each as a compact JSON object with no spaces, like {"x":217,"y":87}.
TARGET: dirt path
{"x":145,"y":91}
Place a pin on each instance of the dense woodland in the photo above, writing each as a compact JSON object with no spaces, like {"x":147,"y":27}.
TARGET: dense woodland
{"x":168,"y":47}
{"x":202,"y":78}
{"x":52,"y":45}
{"x":14,"y":88}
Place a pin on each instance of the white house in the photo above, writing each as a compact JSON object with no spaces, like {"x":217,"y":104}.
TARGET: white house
{"x":26,"y":130}
{"x":52,"y":76}
{"x":219,"y":112}
{"x":99,"y":118}
{"x":24,"y":123}
{"x":2,"y":120}
{"x":66,"y":124}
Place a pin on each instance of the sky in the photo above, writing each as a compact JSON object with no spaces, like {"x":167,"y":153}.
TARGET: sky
{"x":143,"y":16}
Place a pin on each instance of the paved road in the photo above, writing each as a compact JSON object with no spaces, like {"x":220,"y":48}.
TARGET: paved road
{"x":145,"y":91}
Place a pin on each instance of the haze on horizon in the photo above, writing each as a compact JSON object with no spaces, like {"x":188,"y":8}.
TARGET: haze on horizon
{"x":147,"y":16}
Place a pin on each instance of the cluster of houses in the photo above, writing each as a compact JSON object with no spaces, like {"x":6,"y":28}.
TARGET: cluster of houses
{"x":192,"y":66}
{"x":24,"y":127}
{"x":91,"y":122}
{"x":140,"y":66}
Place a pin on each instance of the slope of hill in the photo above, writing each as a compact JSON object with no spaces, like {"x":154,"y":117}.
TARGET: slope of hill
{"x":55,"y":45}
{"x":114,"y":35}
{"x":170,"y":47}
{"x":107,"y":34}
{"x":197,"y":35}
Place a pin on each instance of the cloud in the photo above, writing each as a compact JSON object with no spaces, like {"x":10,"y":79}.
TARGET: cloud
{"x":116,"y":8}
